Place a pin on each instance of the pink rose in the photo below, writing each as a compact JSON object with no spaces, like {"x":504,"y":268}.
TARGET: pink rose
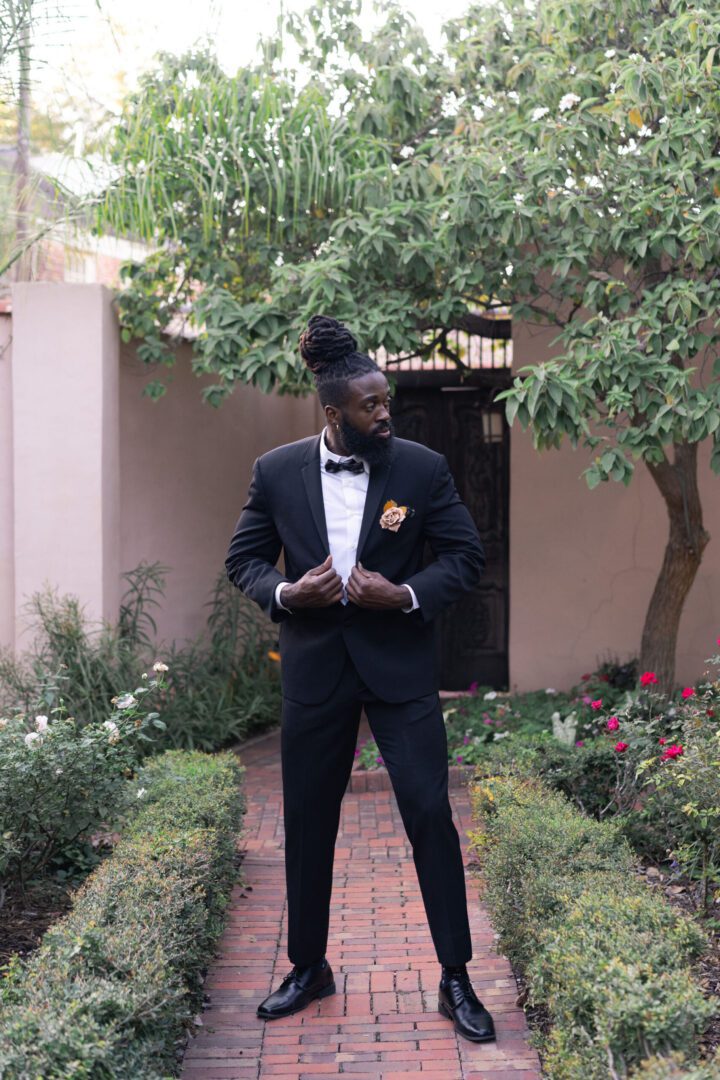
{"x":688,"y":692}
{"x":647,"y":678}
{"x":620,"y":746}
{"x":613,"y":723}
{"x":596,"y":704}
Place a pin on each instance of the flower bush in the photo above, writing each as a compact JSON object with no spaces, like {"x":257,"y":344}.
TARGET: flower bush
{"x":221,"y":687}
{"x":59,"y":779}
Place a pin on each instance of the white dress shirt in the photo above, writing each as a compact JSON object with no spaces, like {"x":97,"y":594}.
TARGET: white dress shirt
{"x":344,"y":496}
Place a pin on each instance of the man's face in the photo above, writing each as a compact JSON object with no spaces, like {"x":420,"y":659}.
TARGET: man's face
{"x":364,"y":422}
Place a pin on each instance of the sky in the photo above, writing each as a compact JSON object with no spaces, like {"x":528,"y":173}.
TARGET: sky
{"x":80,"y":50}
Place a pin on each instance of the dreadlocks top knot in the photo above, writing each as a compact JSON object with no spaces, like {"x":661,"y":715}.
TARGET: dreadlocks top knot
{"x":325,"y":342}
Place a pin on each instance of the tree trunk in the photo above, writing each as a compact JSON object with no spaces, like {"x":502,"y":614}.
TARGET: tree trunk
{"x":678,"y":486}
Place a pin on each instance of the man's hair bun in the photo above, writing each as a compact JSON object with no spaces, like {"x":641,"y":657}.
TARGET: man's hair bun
{"x":325,"y":342}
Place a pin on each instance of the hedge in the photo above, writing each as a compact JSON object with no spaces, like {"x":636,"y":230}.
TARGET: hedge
{"x":109,"y":990}
{"x":608,"y":959}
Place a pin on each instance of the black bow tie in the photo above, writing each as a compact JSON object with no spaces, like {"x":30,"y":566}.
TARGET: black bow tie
{"x":352,"y":466}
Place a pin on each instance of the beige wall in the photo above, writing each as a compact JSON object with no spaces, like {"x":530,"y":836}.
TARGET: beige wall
{"x":7,"y":542}
{"x":583,"y":563}
{"x":65,"y":446}
{"x":185,"y":471}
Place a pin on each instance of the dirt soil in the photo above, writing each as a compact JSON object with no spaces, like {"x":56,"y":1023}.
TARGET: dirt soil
{"x":23,"y":921}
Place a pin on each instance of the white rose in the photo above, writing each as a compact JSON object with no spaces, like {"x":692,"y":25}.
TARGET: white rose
{"x":31,"y":737}
{"x":159,"y":666}
{"x":126,"y":701}
{"x":110,"y":725}
{"x":41,"y":723}
{"x":491,"y":695}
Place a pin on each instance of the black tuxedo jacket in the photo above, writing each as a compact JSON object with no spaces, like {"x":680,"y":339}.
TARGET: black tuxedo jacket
{"x":393,"y":651}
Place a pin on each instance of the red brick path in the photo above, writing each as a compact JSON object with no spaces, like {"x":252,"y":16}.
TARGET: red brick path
{"x":383,"y":1021}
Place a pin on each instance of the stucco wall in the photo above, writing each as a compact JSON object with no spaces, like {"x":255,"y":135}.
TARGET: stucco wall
{"x":583,"y":563}
{"x":7,"y":544}
{"x":185,"y":471}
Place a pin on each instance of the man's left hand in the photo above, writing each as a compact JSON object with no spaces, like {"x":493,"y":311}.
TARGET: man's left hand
{"x":368,"y":589}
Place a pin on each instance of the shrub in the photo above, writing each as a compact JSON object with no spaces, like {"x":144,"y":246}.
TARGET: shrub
{"x":538,"y":855}
{"x":58,"y":780}
{"x":674,"y":1067}
{"x":113,"y":982}
{"x":608,"y":959}
{"x":223,"y":685}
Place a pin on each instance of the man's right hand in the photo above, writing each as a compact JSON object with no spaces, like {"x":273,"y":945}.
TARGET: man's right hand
{"x":321,"y":586}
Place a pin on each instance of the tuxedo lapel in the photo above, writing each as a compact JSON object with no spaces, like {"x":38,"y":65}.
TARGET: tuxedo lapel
{"x":376,"y":488}
{"x":313,"y":488}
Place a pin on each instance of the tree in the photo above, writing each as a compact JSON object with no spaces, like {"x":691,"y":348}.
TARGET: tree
{"x":560,"y":159}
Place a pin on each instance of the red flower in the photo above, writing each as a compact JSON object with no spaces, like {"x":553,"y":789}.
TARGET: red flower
{"x":613,"y":723}
{"x":662,"y":741}
{"x":671,"y":752}
{"x":596,"y":704}
{"x":620,"y":746}
{"x":584,"y":678}
{"x":711,"y":712}
{"x":647,"y":678}
{"x":688,"y":692}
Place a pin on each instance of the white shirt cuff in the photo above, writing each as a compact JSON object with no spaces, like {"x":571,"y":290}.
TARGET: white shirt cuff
{"x":278,"y":589}
{"x":415,"y":603}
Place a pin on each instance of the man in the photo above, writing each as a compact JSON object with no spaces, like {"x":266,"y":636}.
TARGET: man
{"x":351,"y":509}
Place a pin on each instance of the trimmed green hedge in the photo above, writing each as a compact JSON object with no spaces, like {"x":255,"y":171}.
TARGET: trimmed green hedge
{"x":608,"y":959}
{"x":674,"y":1068}
{"x":108,"y":992}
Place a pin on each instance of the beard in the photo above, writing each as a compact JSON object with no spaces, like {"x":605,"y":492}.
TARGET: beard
{"x":374,"y":449}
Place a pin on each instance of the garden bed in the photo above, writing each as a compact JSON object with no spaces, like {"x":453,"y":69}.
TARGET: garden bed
{"x":115,"y":981}
{"x":612,"y":971}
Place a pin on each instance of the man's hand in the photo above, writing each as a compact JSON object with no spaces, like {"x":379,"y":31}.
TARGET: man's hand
{"x":368,"y":589}
{"x":321,"y":586}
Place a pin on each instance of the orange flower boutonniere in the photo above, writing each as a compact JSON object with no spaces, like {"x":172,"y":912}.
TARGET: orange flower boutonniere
{"x":393,"y":515}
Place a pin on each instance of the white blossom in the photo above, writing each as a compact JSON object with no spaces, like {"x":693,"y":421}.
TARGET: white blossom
{"x":537,"y":114}
{"x":567,"y":101}
{"x":519,"y":197}
{"x":41,"y":723}
{"x":610,"y":53}
{"x":141,"y":791}
{"x":58,"y":771}
{"x":31,"y":737}
{"x":491,"y":695}
{"x":176,"y":124}
{"x":125,"y":701}
{"x":159,"y":666}
{"x":110,"y":725}
{"x":191,"y":80}
{"x":407,"y":151}
{"x":509,"y":269}
{"x":645,"y":132}
{"x":500,"y":735}
{"x":551,"y":690}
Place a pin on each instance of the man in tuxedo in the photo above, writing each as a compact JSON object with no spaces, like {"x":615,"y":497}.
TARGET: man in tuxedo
{"x":351,"y":509}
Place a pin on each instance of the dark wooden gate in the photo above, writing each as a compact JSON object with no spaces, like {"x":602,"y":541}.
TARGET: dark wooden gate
{"x":461,"y":422}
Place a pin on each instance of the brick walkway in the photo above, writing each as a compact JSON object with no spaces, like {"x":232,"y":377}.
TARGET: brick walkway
{"x":383,"y":1021}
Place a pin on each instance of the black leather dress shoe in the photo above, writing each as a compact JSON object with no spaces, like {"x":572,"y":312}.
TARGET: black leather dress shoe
{"x":299,"y":987}
{"x":458,"y":1001}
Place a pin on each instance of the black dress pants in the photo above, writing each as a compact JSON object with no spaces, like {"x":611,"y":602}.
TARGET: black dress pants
{"x":317,"y":753}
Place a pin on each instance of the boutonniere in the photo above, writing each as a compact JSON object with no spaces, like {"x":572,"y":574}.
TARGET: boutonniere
{"x":393,"y":515}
